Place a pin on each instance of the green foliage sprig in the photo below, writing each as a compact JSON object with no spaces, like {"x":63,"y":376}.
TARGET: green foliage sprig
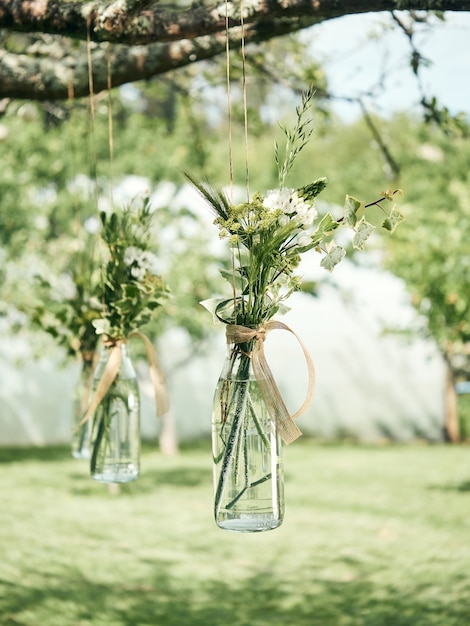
{"x":269,"y":233}
{"x":64,"y":305}
{"x":132,"y":289}
{"x":296,"y":139}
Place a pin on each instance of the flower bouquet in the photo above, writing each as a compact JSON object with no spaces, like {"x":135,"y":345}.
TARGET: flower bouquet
{"x":132,"y":293}
{"x":267,"y":235}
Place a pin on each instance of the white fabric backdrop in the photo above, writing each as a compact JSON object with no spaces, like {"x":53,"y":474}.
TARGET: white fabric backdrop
{"x":369,"y":385}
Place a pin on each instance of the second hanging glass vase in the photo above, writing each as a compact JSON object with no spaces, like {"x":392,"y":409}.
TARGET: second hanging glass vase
{"x":81,"y":431}
{"x":247,"y":450}
{"x":115,"y":425}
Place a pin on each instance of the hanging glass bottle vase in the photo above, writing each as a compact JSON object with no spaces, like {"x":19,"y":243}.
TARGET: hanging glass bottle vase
{"x":247,"y":450}
{"x":81,"y":431}
{"x":115,"y":434}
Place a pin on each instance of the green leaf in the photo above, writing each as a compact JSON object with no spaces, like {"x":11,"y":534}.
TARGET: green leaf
{"x":101,"y":326}
{"x":282,"y":309}
{"x":225,"y":311}
{"x":218,"y":308}
{"x":335,"y":254}
{"x":327,"y":225}
{"x":363,"y":231}
{"x":309,"y":192}
{"x":392,"y":221}
{"x":235,"y":278}
{"x":351,"y":207}
{"x":130,"y":290}
{"x":214,"y":196}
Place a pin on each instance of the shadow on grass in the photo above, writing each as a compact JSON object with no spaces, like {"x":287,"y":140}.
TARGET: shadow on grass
{"x":43,"y":453}
{"x":147,"y":482}
{"x":461,"y":487}
{"x":260,"y":599}
{"x":175,"y":477}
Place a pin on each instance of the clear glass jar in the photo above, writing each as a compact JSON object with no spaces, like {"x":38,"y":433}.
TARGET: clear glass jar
{"x":81,"y":396}
{"x":247,"y":450}
{"x":115,"y":434}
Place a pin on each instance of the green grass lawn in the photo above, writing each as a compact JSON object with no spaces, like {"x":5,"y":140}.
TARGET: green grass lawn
{"x":372,"y":535}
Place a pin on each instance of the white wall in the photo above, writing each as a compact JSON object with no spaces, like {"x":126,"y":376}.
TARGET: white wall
{"x":369,"y":385}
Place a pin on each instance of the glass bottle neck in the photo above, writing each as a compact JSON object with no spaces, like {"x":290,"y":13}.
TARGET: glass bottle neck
{"x":238,"y":364}
{"x":126,"y":368}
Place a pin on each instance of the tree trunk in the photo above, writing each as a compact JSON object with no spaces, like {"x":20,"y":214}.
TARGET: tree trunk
{"x":451,"y":417}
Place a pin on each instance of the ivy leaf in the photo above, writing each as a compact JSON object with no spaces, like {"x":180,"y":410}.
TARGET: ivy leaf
{"x":326,"y":227}
{"x":282,"y":309}
{"x":392,"y":221}
{"x":389,"y":194}
{"x":363,"y":231}
{"x":102,"y":327}
{"x":351,"y":207}
{"x":334,"y":255}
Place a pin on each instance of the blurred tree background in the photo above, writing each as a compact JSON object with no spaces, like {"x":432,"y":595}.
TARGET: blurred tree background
{"x":59,"y":169}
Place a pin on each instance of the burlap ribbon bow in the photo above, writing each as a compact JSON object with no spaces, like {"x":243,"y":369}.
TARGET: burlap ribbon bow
{"x":276,"y":406}
{"x":112,"y":368}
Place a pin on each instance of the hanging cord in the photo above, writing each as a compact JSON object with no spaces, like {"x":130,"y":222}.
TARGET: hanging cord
{"x":110,"y":124}
{"x":245,"y":106}
{"x":229,"y":115}
{"x":229,"y":101}
{"x":92,"y":110}
{"x":73,"y":144}
{"x":230,"y":150}
{"x":93,"y":134}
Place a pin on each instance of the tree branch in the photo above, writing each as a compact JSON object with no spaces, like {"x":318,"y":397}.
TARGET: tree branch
{"x":143,"y":39}
{"x":48,"y":77}
{"x":134,"y":22}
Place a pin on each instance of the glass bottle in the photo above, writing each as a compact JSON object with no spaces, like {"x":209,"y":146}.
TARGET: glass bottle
{"x":115,"y":434}
{"x":247,"y":450}
{"x":81,"y":432}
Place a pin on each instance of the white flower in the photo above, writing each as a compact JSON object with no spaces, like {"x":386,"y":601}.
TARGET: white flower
{"x":132,"y":255}
{"x":138,"y":272}
{"x":299,"y":206}
{"x":309,"y":217}
{"x":304,"y":240}
{"x":278,"y":199}
{"x":149,"y":261}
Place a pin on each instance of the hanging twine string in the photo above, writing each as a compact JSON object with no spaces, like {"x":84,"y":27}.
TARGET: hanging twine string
{"x":112,"y":368}
{"x":113,"y":364}
{"x":110,"y":123}
{"x":229,"y":115}
{"x":276,"y":406}
{"x":236,"y":333}
{"x":229,"y":101}
{"x":245,"y":105}
{"x":92,"y":109}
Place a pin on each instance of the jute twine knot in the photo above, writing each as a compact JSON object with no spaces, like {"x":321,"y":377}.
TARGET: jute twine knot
{"x":275,"y":404}
{"x":112,"y":368}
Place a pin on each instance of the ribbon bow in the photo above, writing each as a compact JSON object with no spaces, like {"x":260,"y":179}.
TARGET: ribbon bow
{"x":112,"y":368}
{"x":275,"y":404}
